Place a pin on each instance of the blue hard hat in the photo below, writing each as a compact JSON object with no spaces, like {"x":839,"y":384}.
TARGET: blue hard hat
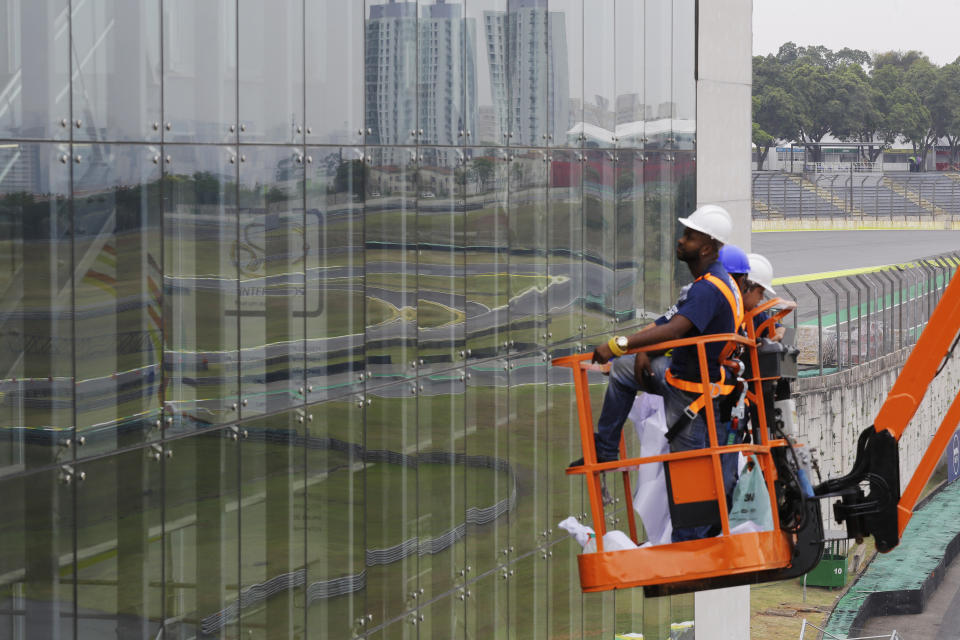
{"x":733,"y":259}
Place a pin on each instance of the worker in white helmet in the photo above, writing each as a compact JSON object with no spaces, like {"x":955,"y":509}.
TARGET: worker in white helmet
{"x":760,"y":282}
{"x":710,"y":305}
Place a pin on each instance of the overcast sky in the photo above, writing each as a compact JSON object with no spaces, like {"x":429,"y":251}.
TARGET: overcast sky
{"x":872,"y":25}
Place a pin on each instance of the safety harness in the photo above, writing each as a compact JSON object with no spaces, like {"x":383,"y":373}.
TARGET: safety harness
{"x":719,"y":388}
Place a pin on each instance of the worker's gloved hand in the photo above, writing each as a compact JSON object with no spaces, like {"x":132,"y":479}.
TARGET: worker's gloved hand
{"x":602,"y":353}
{"x":641,"y":367}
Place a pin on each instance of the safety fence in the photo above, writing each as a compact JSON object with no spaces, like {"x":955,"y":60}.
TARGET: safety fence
{"x":845,"y":321}
{"x":864,"y":196}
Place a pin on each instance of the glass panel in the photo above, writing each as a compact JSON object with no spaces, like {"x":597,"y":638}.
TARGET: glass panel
{"x":528,"y":245}
{"x":390,"y":72}
{"x":659,"y":247}
{"x":599,"y":241}
{"x":37,"y":559}
{"x":445,"y":74}
{"x":526,"y":54}
{"x":488,"y":607}
{"x":336,"y":180}
{"x":270,"y":255}
{"x":599,"y":106}
{"x":34,"y":70}
{"x":630,"y":108}
{"x":200,"y":219}
{"x":684,"y":66}
{"x":486,"y":44}
{"x":491,"y":483}
{"x":334,"y":56}
{"x":200,"y":70}
{"x":120,"y":546}
{"x":656,"y":617}
{"x":566,"y":495}
{"x":440,"y":493}
{"x":566,"y":73}
{"x":272,"y":540}
{"x":628,"y":303}
{"x":391,"y":502}
{"x":565,"y":238}
{"x":117,"y":257}
{"x":528,"y":453}
{"x":116,"y":52}
{"x":201,"y":536}
{"x":685,"y":201}
{"x":487,"y":243}
{"x":565,"y":616}
{"x":658,"y":25}
{"x":682,"y":608}
{"x":391,"y":264}
{"x":527,"y":582}
{"x":36,"y":333}
{"x":271,"y":70}
{"x":628,"y":611}
{"x":440,"y":276}
{"x":335,"y":499}
{"x":598,"y":617}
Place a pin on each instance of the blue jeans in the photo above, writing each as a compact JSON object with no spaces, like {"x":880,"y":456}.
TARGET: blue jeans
{"x":618,"y":400}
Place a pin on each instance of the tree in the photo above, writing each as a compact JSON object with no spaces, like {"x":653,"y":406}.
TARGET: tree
{"x":762,"y":141}
{"x":945,"y":107}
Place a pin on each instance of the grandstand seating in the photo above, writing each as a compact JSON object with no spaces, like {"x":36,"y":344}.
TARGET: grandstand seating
{"x":892,"y":196}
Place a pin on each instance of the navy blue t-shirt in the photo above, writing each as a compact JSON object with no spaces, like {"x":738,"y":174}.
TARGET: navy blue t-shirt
{"x":707,"y":308}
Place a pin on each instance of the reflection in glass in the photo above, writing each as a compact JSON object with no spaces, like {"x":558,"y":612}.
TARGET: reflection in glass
{"x":36,"y":333}
{"x":440,"y":499}
{"x":335,"y":503}
{"x":658,"y":94}
{"x":440,"y":276}
{"x":599,"y":103}
{"x":120,"y":573}
{"x":489,"y":104}
{"x":488,"y":607}
{"x":528,"y":452}
{"x":201,"y":535}
{"x":599,"y":241}
{"x":390,"y":218}
{"x":598,"y":617}
{"x":487,"y":243}
{"x":36,"y":572}
{"x":447,"y":73}
{"x":391,"y":502}
{"x":628,"y":300}
{"x":271,"y":532}
{"x":659,"y":223}
{"x":117,"y":258}
{"x":390,"y":72}
{"x":200,"y":70}
{"x":566,"y":74}
{"x":565,"y":242}
{"x":685,"y":185}
{"x":270,"y":261}
{"x":200,"y":276}
{"x":34,"y":70}
{"x":487,"y":420}
{"x":684,"y":67}
{"x":523,"y":35}
{"x":336,"y":180}
{"x":334,"y":66}
{"x":271,"y":70}
{"x":527,"y":582}
{"x":528,"y":246}
{"x":116,"y":50}
{"x":630,"y":106}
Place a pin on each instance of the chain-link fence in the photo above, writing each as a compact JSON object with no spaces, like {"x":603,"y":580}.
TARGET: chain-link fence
{"x":853,"y":195}
{"x":845,"y":321}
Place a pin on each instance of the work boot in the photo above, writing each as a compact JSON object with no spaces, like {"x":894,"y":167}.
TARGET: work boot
{"x":600,"y":457}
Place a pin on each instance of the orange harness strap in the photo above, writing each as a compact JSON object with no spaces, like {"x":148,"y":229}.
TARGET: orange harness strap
{"x":716,"y":388}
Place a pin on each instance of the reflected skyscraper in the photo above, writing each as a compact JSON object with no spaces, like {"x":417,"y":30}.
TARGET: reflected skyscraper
{"x":426,"y":84}
{"x":530,"y":91}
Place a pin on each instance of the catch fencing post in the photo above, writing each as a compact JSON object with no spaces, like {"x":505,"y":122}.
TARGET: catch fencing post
{"x":836,"y":321}
{"x":819,"y":326}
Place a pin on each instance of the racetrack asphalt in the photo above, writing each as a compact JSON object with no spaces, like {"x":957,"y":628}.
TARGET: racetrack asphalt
{"x":794,"y":253}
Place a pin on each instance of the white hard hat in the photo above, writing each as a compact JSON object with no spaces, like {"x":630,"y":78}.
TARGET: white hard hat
{"x":761,"y":272}
{"x":712,"y":220}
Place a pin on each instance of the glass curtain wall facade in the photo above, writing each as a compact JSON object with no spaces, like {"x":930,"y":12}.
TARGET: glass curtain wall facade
{"x":281,"y":282}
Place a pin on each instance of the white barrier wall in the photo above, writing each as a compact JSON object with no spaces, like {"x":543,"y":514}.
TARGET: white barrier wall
{"x":834,"y":409}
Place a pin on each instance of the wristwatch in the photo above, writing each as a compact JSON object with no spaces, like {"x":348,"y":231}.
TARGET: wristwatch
{"x":618,"y":345}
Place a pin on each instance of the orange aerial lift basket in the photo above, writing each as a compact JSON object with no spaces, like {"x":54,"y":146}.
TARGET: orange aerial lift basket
{"x":791,"y":548}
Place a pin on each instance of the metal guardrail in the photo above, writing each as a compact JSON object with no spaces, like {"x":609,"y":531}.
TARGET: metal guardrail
{"x":845,"y":321}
